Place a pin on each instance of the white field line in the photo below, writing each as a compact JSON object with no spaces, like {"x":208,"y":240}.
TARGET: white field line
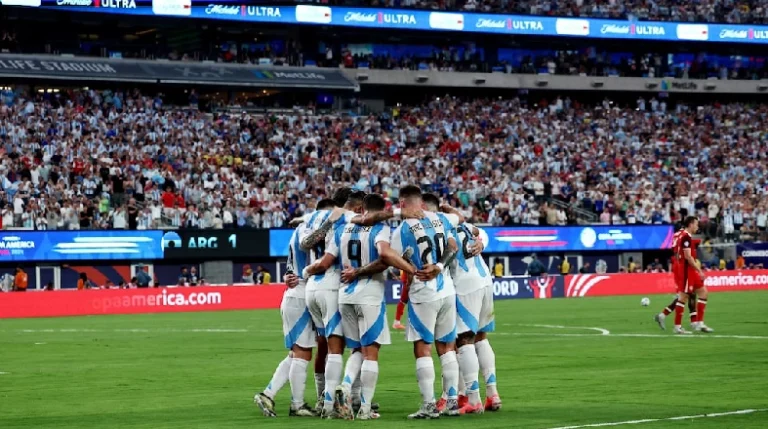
{"x":602,"y":331}
{"x":666,"y":419}
{"x":4,"y":373}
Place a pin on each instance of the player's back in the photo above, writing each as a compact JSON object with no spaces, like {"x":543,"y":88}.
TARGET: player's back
{"x":469,"y":272}
{"x":297,"y":260}
{"x":682,"y":240}
{"x":427,"y":237}
{"x":357,"y":248}
{"x":330,"y":278}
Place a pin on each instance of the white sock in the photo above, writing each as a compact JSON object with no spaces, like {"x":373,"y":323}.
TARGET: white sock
{"x":319,"y":384}
{"x":487,"y":360}
{"x":298,"y":377}
{"x":469,"y":366}
{"x":333,"y":367}
{"x":357,"y":387}
{"x":425,"y":374}
{"x":279,"y":378}
{"x":450,"y":370}
{"x":462,"y":389}
{"x":444,"y":387}
{"x":352,"y":369}
{"x":369,"y":375}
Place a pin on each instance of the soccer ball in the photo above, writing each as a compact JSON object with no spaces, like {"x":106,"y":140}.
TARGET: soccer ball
{"x":645,"y":302}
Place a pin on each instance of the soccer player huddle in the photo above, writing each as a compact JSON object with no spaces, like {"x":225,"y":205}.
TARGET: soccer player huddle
{"x":337,"y":264}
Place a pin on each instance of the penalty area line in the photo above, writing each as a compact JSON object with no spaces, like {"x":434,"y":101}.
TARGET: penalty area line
{"x":666,"y":419}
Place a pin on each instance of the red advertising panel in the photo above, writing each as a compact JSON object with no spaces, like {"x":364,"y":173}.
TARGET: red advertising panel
{"x":647,"y":284}
{"x":132,"y":301}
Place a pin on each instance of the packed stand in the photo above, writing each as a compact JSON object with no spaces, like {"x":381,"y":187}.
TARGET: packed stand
{"x":93,"y":159}
{"x":730,"y":11}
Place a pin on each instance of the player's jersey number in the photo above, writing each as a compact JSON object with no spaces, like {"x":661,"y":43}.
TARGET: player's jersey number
{"x":426,"y":245}
{"x":464,"y":237}
{"x":354,"y":253}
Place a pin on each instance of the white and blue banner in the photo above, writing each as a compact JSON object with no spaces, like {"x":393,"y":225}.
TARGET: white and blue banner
{"x":402,"y":19}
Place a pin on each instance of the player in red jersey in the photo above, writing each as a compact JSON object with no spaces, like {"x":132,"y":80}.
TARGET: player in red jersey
{"x":661,"y":317}
{"x":689,"y":277}
{"x":403,"y":301}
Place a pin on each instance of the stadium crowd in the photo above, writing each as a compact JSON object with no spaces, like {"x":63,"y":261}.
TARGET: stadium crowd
{"x":89,"y":159}
{"x":731,"y":11}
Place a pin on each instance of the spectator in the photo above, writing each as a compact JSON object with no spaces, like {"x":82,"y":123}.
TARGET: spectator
{"x":535,"y":267}
{"x":143,"y":278}
{"x":83,"y":283}
{"x":20,"y":280}
{"x":585,"y":269}
{"x":498,"y":269}
{"x":565,"y":266}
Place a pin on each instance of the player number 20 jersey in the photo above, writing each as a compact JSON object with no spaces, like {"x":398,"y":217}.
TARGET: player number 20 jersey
{"x":428,"y":239}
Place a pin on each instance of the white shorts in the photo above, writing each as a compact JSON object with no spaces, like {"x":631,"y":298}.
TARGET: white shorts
{"x":297,"y":323}
{"x":364,"y":325}
{"x":323,"y":305}
{"x":432,"y":321}
{"x":475,"y":311}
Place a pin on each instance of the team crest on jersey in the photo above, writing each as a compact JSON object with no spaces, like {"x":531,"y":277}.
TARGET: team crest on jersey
{"x":541,"y":286}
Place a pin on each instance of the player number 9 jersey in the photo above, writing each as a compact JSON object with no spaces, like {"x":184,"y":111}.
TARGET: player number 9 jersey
{"x":357,"y":248}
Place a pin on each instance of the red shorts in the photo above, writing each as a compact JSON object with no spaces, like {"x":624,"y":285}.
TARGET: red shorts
{"x":687,"y":281}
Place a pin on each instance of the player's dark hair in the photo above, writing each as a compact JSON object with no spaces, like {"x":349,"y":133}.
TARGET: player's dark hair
{"x":326,"y":204}
{"x":341,"y":195}
{"x":374,"y":202}
{"x":430,"y":198}
{"x":689,"y":220}
{"x":410,"y":191}
{"x":356,"y":198}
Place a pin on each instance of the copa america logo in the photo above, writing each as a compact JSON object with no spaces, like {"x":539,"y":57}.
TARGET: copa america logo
{"x":541,"y":286}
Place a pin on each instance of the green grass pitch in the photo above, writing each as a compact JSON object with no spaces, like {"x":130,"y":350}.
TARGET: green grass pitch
{"x":175,"y":371}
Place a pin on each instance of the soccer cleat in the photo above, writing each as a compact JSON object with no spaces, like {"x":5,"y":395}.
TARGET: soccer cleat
{"x":398,"y":326}
{"x":493,"y":403}
{"x":680,"y":331}
{"x":375,"y":406}
{"x":330,"y":415}
{"x":367,"y":415}
{"x":426,"y":412}
{"x":342,"y":403}
{"x":303,"y":411}
{"x":463,"y":400}
{"x":701,"y":327}
{"x":451,"y":408}
{"x":266,"y":404}
{"x":440,"y":405}
{"x":660,"y":318}
{"x":471,"y":409}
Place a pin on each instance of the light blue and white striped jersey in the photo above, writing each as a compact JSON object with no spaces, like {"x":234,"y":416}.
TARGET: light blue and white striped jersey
{"x":330,"y":279}
{"x":355,"y":245}
{"x":470,"y":273}
{"x":427,"y":237}
{"x":297,"y":261}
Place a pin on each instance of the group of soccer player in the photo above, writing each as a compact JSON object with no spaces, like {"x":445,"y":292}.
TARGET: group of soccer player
{"x":338,"y":260}
{"x":689,"y":279}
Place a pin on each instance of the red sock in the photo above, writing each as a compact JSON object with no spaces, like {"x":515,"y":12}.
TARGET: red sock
{"x":679,"y":311}
{"x":700,"y":307}
{"x":400,"y":310}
